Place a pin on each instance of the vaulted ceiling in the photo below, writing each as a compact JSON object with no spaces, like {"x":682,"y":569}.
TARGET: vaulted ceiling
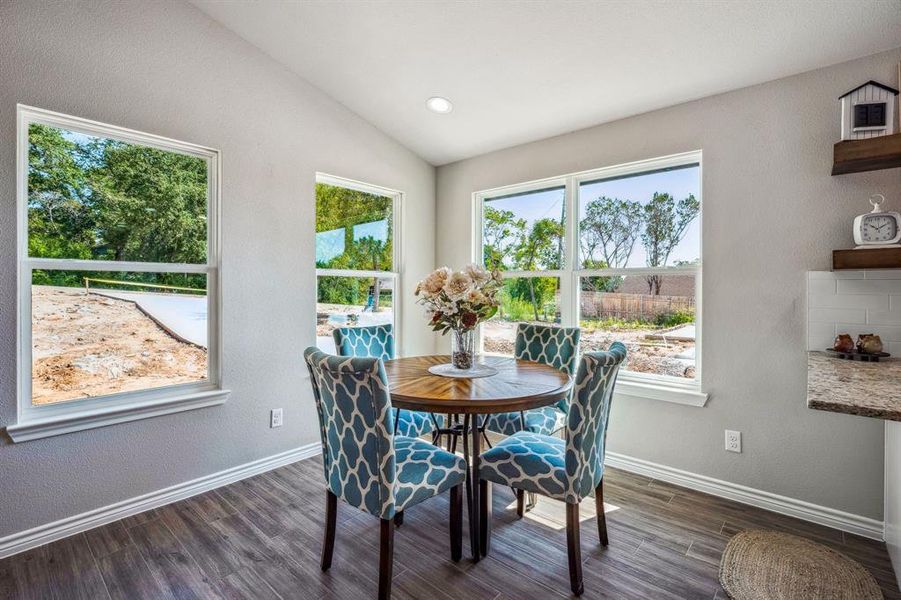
{"x":521,"y":71}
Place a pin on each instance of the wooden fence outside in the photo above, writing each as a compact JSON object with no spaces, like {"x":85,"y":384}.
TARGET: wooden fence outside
{"x":632,"y":307}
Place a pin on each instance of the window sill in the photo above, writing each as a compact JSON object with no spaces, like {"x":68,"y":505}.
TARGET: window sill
{"x":33,"y":429}
{"x":689,"y":395}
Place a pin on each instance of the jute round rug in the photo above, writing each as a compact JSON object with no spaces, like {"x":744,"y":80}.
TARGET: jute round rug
{"x":768,"y":565}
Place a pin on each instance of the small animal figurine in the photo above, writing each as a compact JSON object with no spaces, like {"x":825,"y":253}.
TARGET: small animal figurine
{"x":843,"y":343}
{"x":869,"y":343}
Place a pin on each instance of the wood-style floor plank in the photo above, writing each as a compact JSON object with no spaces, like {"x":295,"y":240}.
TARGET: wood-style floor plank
{"x":140,"y":518}
{"x":210,"y":506}
{"x":128,"y":577}
{"x":288,"y":574}
{"x":73,"y":571}
{"x":170,"y":562}
{"x":214,"y":554}
{"x":28,"y":575}
{"x":246,"y":584}
{"x":346,"y":578}
{"x":263,"y":515}
{"x":107,"y":539}
{"x":9,"y":587}
{"x":260,"y":538}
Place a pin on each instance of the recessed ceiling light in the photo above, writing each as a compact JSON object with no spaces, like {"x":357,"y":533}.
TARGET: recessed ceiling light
{"x":439,"y":105}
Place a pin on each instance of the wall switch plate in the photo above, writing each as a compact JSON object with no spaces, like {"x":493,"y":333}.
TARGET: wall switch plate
{"x":733,"y":441}
{"x":275,"y":417}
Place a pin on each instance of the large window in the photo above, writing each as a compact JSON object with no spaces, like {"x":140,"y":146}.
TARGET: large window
{"x":356,"y":256}
{"x":118,"y":271}
{"x":615,"y":251}
{"x":523,"y":235}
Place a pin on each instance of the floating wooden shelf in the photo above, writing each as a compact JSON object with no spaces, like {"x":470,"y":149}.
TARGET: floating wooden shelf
{"x":870,"y":258}
{"x":856,"y":156}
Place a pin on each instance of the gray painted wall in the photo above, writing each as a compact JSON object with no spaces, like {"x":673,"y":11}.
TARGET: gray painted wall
{"x":771,"y":213}
{"x":166,"y":68}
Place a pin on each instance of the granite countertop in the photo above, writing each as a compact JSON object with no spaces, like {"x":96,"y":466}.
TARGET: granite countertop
{"x":853,"y":387}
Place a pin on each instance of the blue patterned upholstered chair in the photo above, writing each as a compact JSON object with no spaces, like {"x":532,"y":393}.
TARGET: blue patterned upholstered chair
{"x":377,"y":341}
{"x":366,"y":465}
{"x":550,"y":345}
{"x":564,"y":470}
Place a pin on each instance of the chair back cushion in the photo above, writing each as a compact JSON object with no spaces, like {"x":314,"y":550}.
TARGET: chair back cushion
{"x":586,"y":429}
{"x":376,"y":341}
{"x":550,"y":345}
{"x":356,"y":424}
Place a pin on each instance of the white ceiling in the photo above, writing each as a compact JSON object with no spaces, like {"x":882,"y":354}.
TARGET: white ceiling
{"x":521,"y":71}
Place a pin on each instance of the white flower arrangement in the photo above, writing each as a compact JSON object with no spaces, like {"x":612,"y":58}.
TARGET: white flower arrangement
{"x":459,"y":300}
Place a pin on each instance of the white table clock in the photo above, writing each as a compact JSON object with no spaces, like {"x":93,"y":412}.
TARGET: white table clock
{"x":877,"y":228}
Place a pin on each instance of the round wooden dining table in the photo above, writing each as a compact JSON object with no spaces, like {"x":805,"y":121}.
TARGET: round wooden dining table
{"x":518,"y":386}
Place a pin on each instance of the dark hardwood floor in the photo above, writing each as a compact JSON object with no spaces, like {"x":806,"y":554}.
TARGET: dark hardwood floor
{"x":260,"y":538}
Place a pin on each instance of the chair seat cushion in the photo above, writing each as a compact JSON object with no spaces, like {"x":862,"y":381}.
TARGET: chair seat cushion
{"x":545,"y":420}
{"x":423,"y":471}
{"x":413,"y":423}
{"x":528,"y":461}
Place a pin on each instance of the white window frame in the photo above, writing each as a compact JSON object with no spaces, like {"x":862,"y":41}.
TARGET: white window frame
{"x":397,"y":205}
{"x":38,"y":421}
{"x":643,"y":385}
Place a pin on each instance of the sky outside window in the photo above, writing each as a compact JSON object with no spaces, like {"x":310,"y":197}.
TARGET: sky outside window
{"x":508,"y":239}
{"x":679,"y":183}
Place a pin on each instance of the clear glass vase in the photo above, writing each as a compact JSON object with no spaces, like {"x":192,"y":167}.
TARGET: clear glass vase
{"x":462,"y":348}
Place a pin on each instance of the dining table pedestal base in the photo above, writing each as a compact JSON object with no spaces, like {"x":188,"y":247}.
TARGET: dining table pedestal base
{"x":518,"y":386}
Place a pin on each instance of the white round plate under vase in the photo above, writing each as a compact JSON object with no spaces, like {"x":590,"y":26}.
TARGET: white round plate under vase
{"x":449,"y":370}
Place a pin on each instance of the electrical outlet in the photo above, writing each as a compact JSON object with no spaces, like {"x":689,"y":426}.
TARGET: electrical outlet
{"x":733,"y":441}
{"x":275,"y":417}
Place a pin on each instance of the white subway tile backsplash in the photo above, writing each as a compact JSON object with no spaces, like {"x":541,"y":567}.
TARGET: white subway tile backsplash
{"x":885,"y":274}
{"x":836,"y":274}
{"x":849,"y":274}
{"x":822,"y":287}
{"x":868,"y":301}
{"x":880,"y":317}
{"x":820,"y":336}
{"x":854,"y":302}
{"x":869,"y":286}
{"x":834,"y":315}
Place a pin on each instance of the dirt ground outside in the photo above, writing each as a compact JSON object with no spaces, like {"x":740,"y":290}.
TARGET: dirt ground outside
{"x":646,"y":355}
{"x":85,"y":345}
{"x":331,"y":316}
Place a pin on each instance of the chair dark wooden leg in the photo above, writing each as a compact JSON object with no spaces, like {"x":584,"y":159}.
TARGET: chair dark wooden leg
{"x":474,"y":517}
{"x":399,"y":518}
{"x":573,"y":549}
{"x":602,"y":518}
{"x":386,"y":559}
{"x":485,"y":518}
{"x":520,"y":502}
{"x":456,"y":522}
{"x":328,"y":540}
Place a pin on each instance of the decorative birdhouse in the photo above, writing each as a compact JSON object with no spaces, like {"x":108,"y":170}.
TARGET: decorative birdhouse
{"x":868,"y":111}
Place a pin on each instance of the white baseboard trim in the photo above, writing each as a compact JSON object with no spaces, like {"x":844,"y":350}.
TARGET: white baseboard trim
{"x":57,"y":530}
{"x":823,"y":515}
